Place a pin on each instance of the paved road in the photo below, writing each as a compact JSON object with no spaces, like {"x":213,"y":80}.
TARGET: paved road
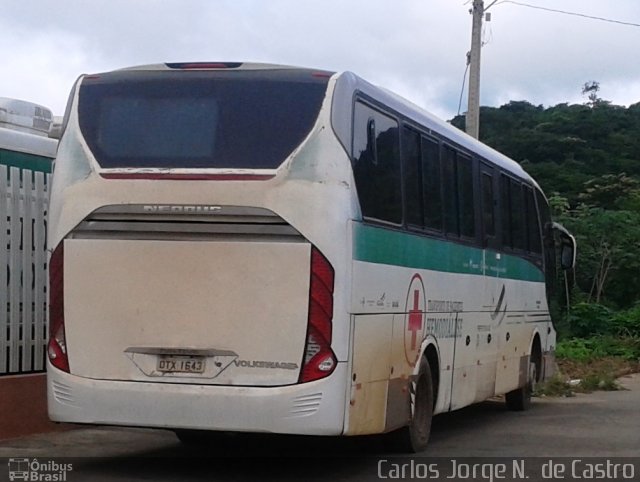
{"x":602,"y":424}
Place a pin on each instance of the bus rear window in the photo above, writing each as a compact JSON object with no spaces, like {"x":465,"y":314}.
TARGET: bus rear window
{"x":244,"y":119}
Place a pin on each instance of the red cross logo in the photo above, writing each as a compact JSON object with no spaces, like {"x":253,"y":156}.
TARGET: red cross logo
{"x":414,"y":321}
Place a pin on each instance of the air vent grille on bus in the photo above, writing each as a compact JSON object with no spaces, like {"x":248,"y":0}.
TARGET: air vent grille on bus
{"x":184,"y":221}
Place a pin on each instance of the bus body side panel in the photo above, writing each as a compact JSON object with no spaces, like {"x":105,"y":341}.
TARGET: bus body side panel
{"x":391,"y":320}
{"x":480,"y":308}
{"x":370,"y":373}
{"x":524,"y":314}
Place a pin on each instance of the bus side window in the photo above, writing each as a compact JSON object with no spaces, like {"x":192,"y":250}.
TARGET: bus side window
{"x":376,"y":164}
{"x":413,"y":177}
{"x":488,"y":211}
{"x":450,"y":187}
{"x":457,"y":182}
{"x":466,"y":210}
{"x":518,"y":215}
{"x":371,"y":142}
{"x":505,"y":209}
{"x":432,"y":183}
{"x":533,"y":223}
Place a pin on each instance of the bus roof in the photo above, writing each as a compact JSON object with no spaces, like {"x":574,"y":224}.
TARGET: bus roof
{"x":347,"y":83}
{"x":25,"y":116}
{"x":220,"y":66}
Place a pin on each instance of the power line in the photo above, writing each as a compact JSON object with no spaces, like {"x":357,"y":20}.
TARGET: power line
{"x":464,"y":81}
{"x":602,"y":19}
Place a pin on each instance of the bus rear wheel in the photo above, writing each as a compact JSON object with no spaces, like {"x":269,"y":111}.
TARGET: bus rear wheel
{"x":414,"y":437}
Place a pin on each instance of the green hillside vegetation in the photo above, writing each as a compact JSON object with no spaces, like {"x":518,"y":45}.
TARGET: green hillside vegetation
{"x":587,"y":160}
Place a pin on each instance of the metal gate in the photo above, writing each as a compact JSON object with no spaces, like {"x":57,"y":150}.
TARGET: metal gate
{"x":23,"y":269}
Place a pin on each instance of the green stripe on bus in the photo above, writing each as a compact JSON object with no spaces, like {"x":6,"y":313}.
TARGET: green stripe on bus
{"x":25,"y":161}
{"x":387,"y":246}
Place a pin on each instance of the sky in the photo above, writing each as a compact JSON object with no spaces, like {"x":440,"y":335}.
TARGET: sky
{"x":416,"y":48}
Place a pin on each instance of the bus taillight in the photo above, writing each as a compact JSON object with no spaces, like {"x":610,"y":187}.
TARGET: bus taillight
{"x":57,"y":348}
{"x":319,"y":359}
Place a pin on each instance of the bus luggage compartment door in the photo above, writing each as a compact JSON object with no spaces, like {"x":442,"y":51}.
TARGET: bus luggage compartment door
{"x":220,"y":312}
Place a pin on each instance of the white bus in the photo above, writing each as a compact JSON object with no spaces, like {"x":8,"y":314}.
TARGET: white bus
{"x":24,"y":135}
{"x":262,"y":248}
{"x":26,"y":156}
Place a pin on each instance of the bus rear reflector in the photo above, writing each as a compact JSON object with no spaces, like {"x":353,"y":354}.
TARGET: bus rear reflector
{"x":319,"y":359}
{"x":150,"y":176}
{"x":204,"y":65}
{"x":57,"y":347}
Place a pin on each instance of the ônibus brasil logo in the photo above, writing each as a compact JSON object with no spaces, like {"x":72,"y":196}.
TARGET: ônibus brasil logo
{"x":36,"y":471}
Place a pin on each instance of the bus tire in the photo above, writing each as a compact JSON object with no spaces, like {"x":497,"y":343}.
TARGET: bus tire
{"x":414,"y":437}
{"x":520,"y":398}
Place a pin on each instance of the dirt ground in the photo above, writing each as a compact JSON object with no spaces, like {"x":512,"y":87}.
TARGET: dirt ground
{"x":611,"y":367}
{"x":616,"y":367}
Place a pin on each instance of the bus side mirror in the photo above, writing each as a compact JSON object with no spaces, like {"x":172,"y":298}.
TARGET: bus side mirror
{"x":567,"y":246}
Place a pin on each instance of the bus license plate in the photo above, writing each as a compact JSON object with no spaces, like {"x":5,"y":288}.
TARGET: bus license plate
{"x":181,"y":364}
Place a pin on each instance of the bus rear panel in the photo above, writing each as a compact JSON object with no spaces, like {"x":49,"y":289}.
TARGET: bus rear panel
{"x":181,"y":297}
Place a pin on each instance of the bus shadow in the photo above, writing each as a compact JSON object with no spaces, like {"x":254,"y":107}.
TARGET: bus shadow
{"x":282,"y":457}
{"x":452,"y":424}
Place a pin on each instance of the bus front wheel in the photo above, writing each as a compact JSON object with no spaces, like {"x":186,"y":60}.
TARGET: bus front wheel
{"x":520,"y":399}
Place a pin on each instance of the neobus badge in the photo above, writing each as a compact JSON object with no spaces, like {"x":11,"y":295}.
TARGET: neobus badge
{"x":180,"y":209}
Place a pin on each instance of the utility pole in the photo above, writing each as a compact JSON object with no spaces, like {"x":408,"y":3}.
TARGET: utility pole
{"x":472,"y":120}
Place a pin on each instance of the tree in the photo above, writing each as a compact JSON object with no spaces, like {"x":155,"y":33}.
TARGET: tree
{"x":559,"y":205}
{"x":608,"y":266}
{"x":611,"y":191}
{"x":591,"y":89}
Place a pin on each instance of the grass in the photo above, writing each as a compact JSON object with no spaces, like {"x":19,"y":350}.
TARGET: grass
{"x":587,"y":365}
{"x":562,"y":386}
{"x":556,"y":386}
{"x":597,"y":346}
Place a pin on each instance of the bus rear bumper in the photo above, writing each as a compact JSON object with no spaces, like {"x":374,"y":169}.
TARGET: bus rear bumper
{"x":314,"y":408}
